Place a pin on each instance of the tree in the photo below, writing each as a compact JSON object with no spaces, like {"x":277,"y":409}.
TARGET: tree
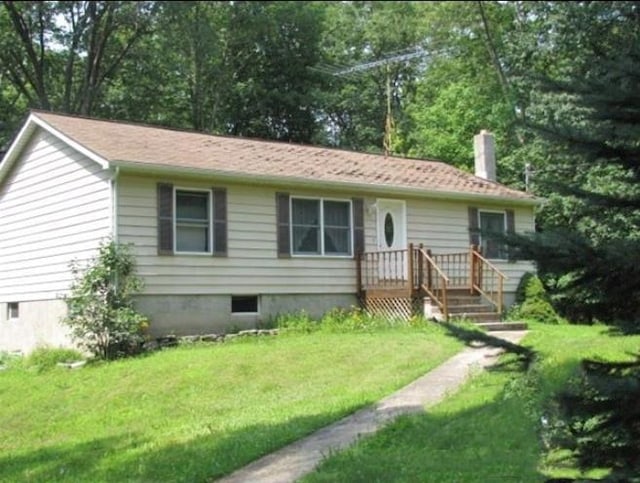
{"x":354,"y":105}
{"x":602,"y":418}
{"x":271,"y":48}
{"x":63,"y":55}
{"x":588,"y":114}
{"x":466,"y":86}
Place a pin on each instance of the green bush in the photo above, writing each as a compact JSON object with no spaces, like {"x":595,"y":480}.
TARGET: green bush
{"x":340,"y":320}
{"x":100,"y":307}
{"x":532,"y":301}
{"x":297,"y":322}
{"x":8,"y":359}
{"x":44,"y":358}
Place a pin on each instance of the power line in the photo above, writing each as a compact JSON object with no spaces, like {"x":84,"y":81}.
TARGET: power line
{"x":396,"y":57}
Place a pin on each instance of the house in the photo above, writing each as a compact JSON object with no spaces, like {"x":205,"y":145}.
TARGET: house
{"x":230,"y":232}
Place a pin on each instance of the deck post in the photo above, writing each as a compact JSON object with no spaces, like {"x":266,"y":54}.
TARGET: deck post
{"x":429,"y":274}
{"x":500,"y":295}
{"x":359,"y":272}
{"x":445,"y":302}
{"x":472,"y":268}
{"x":420,"y":267}
{"x":410,"y":268}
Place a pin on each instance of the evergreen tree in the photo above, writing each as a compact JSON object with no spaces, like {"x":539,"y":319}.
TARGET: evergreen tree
{"x":589,"y":117}
{"x":602,"y":418}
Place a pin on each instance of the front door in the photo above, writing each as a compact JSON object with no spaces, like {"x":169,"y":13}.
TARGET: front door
{"x":392,"y":236}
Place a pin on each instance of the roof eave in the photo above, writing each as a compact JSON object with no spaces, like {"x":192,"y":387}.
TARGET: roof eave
{"x":24,"y":135}
{"x":16,"y":146}
{"x":103,"y":162}
{"x":323,"y":184}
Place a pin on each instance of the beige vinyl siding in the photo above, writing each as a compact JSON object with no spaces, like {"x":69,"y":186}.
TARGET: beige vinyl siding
{"x":54,"y":207}
{"x":252,"y":265}
{"x":443,"y":227}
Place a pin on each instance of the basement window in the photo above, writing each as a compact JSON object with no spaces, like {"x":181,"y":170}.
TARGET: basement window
{"x":244,"y":304}
{"x":13,"y":310}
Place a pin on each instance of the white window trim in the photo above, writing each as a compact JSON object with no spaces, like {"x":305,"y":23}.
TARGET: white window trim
{"x":175,"y":218}
{"x":504,"y":222}
{"x":322,"y":253}
{"x":241,"y":314}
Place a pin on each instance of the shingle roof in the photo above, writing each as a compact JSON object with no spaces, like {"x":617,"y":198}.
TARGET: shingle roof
{"x":119,"y":142}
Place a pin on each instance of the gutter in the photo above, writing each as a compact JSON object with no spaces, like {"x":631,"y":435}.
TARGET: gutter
{"x":322,"y":184}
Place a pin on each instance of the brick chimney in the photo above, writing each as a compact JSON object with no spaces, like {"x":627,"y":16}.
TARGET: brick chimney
{"x":484,"y":148}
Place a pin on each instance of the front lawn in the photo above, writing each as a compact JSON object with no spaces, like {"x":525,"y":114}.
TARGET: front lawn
{"x":195,"y":413}
{"x":490,"y":430}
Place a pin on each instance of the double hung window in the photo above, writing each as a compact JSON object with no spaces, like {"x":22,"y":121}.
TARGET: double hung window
{"x":193,"y":221}
{"x":321,"y":227}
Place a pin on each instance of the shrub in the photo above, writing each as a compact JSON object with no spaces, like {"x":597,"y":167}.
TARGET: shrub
{"x":100,"y":307}
{"x":532,"y":301}
{"x":8,"y":359}
{"x":340,"y":320}
{"x":44,"y":358}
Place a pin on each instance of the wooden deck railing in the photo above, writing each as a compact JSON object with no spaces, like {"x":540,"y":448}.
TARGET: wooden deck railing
{"x":387,"y":269}
{"x":417,"y":269}
{"x":487,"y":280}
{"x":431,"y":279}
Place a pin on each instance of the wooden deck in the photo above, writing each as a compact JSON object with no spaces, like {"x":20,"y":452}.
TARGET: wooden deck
{"x":397,"y":283}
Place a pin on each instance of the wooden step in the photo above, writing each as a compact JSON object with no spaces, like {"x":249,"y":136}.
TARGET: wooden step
{"x":478,"y":316}
{"x":469,"y":308}
{"x":463,"y":299}
{"x":459,"y":291}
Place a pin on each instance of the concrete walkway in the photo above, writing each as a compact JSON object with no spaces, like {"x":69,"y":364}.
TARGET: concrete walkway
{"x":296,"y":460}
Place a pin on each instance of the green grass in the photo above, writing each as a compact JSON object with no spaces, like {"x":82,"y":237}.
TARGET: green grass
{"x":195,"y":413}
{"x":490,"y":430}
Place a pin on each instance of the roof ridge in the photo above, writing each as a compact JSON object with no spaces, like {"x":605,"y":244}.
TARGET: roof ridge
{"x":235,"y":137}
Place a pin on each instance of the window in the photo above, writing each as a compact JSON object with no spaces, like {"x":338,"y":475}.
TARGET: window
{"x":320,"y":227}
{"x":244,"y":304}
{"x":492,"y":228}
{"x":13,"y":310}
{"x":192,"y":221}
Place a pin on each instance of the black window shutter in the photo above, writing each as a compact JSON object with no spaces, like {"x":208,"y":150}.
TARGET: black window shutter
{"x":165,"y":219}
{"x":511,"y":229}
{"x":474,"y":228}
{"x":282,"y":225}
{"x":357,"y":205}
{"x":219,"y":222}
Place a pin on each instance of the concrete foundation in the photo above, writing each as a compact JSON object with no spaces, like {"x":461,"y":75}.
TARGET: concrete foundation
{"x":37,"y":325}
{"x":39,"y":322}
{"x":204,"y":314}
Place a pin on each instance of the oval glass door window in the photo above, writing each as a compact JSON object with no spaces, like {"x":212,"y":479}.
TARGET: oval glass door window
{"x":388,"y":230}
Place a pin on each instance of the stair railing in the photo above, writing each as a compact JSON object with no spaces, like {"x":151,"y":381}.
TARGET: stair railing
{"x":431,"y":279}
{"x":455,"y":266}
{"x":486,"y":279}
